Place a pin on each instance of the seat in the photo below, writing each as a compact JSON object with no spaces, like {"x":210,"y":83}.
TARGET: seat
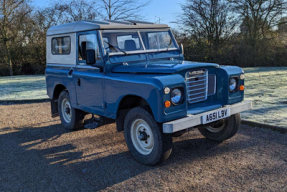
{"x":83,"y":49}
{"x":130,"y":45}
{"x":85,"y":45}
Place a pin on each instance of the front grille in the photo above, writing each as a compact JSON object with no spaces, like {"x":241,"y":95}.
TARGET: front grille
{"x":197,"y":85}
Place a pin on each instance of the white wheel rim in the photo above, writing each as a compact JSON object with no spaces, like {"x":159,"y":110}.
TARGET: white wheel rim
{"x":141,"y":129}
{"x":216,"y":129}
{"x":66,"y":110}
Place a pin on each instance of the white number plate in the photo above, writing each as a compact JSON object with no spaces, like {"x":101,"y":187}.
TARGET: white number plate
{"x":216,"y":115}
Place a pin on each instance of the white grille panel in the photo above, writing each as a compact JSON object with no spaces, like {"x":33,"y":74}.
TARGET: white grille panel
{"x":197,"y":85}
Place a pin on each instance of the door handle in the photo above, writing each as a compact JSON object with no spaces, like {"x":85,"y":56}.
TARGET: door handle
{"x":70,"y":73}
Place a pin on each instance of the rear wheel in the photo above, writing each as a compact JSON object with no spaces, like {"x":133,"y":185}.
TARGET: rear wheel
{"x":223,"y":129}
{"x":144,"y":137}
{"x":71,"y":118}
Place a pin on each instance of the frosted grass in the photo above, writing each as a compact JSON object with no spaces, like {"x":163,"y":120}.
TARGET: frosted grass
{"x":267,"y":88}
{"x":23,"y":87}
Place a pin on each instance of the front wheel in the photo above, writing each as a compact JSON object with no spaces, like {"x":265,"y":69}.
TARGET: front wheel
{"x":223,"y":129}
{"x":144,"y":137}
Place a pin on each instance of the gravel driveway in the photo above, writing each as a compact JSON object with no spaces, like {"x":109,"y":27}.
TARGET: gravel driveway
{"x":37,"y":154}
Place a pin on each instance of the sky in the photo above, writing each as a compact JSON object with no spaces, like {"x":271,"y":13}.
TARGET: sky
{"x":164,"y":10}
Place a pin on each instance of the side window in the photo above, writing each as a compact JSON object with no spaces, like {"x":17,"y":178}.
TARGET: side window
{"x":87,"y":42}
{"x":61,"y":46}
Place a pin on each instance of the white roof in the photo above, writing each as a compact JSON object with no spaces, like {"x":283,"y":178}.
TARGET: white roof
{"x":88,"y":25}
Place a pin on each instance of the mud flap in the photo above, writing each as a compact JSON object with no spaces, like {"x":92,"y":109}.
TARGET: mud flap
{"x":54,"y":108}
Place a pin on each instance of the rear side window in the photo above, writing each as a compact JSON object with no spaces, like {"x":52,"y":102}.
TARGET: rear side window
{"x":61,"y":46}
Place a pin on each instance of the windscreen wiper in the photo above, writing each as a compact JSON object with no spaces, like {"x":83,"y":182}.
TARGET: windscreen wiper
{"x":117,"y":49}
{"x":169,"y":44}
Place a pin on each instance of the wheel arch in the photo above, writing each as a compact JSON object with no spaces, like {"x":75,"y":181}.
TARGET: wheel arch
{"x":57,"y":91}
{"x":127,"y":103}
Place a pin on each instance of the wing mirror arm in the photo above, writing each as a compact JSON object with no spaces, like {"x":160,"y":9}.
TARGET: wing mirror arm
{"x":181,"y":49}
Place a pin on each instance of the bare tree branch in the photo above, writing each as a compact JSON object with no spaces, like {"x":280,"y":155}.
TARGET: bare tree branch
{"x":259,"y":16}
{"x":208,"y":19}
{"x":122,"y":9}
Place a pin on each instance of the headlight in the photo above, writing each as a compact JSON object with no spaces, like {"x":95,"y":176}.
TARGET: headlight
{"x":232,"y":84}
{"x":176,"y":96}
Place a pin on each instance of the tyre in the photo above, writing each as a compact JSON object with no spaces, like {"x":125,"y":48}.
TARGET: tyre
{"x":71,"y":118}
{"x":223,"y":129}
{"x":144,"y":137}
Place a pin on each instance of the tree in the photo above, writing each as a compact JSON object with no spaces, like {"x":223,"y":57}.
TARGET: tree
{"x":282,"y":25}
{"x":209,"y":20}
{"x":122,"y":9}
{"x":259,"y":16}
{"x":12,"y":26}
{"x":77,"y":10}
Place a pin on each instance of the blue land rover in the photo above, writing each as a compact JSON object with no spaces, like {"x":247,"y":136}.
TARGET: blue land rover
{"x":134,"y":72}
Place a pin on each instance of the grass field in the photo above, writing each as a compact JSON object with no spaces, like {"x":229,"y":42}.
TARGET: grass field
{"x":23,"y":87}
{"x":265,"y":86}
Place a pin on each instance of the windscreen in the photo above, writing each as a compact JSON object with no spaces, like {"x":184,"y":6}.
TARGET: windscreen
{"x":157,"y":40}
{"x":125,"y":41}
{"x":142,"y":40}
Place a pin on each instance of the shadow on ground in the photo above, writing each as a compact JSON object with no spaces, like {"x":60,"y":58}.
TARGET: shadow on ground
{"x":58,"y":165}
{"x":47,"y":158}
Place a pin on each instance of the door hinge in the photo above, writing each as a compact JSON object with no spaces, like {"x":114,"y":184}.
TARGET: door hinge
{"x":104,"y":105}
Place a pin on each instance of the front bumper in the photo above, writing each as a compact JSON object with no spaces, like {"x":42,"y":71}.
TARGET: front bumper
{"x":195,"y":120}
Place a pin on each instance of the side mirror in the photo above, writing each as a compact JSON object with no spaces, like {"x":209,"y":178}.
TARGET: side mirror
{"x":90,"y":57}
{"x":182,"y":49}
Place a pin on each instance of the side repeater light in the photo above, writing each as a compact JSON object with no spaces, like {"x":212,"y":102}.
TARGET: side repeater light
{"x":166,"y":90}
{"x":241,"y":88}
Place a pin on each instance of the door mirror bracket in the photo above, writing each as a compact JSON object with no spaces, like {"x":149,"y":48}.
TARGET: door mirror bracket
{"x":181,"y":49}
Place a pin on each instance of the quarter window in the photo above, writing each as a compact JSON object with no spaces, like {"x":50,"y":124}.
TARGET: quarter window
{"x":61,"y":46}
{"x":87,"y":42}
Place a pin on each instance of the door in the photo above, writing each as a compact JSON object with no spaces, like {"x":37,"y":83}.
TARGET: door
{"x":88,"y":79}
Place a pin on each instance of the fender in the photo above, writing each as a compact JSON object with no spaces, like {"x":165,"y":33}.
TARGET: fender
{"x":224,"y":73}
{"x":148,"y":87}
